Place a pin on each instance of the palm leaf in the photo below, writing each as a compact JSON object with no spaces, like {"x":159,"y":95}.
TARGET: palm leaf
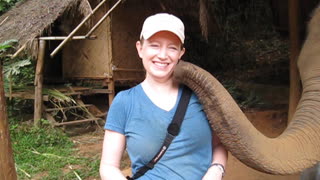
{"x":14,"y":68}
{"x":7,"y":44}
{"x":57,"y":95}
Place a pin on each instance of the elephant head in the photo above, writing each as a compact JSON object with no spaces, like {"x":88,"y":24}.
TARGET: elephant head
{"x":298,"y":147}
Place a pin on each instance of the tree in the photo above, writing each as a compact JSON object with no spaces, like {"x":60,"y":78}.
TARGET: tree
{"x":7,"y":167}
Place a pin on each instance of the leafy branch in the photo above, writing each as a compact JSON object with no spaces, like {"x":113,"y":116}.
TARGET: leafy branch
{"x":12,"y":67}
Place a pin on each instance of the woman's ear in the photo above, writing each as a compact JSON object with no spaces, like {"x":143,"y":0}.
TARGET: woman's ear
{"x":182,"y":52}
{"x":139,"y":48}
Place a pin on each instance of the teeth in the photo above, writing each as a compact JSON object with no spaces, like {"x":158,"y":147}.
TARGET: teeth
{"x":161,"y":64}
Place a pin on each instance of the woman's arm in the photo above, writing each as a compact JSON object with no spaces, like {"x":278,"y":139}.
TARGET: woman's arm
{"x":113,"y":148}
{"x":220,"y":156}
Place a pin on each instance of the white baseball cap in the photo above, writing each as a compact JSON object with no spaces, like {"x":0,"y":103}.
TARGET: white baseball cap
{"x":162,"y":22}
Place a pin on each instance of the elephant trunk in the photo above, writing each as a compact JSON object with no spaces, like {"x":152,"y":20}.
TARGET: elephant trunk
{"x":297,"y":148}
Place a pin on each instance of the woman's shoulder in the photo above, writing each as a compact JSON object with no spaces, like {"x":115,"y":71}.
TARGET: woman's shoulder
{"x":128,"y":93}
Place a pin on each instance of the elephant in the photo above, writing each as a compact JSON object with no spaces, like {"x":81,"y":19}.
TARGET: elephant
{"x":298,"y":147}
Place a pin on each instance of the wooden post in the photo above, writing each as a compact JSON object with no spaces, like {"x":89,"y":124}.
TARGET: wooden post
{"x":295,"y":45}
{"x":38,"y":83}
{"x":111,"y":88}
{"x":7,"y":168}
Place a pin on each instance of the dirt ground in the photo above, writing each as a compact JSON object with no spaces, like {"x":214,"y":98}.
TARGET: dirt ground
{"x":269,"y":122}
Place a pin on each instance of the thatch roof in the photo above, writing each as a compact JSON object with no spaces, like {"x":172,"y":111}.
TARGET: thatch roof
{"x":31,"y":18}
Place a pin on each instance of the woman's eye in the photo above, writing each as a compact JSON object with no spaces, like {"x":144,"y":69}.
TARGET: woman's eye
{"x":154,"y":45}
{"x":173,"y":48}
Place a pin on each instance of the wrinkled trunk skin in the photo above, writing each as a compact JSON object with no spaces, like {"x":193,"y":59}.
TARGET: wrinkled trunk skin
{"x":298,"y":147}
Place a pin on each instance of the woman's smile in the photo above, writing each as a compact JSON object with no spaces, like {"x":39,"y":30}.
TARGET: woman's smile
{"x":160,"y":53}
{"x":160,"y":64}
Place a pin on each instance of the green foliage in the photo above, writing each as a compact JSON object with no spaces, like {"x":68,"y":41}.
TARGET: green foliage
{"x":48,"y":153}
{"x":45,"y":151}
{"x":244,"y":98}
{"x":239,"y":18}
{"x":18,"y":72}
{"x":14,"y":68}
{"x":245,"y":33}
{"x":5,"y":47}
{"x":6,"y":4}
{"x":58,"y":96}
{"x":245,"y":48}
{"x":36,"y":149}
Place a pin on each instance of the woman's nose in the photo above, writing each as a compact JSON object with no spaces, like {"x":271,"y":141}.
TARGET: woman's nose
{"x":162,"y":54}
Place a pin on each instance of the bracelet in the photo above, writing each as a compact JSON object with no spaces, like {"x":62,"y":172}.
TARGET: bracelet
{"x":220,"y":166}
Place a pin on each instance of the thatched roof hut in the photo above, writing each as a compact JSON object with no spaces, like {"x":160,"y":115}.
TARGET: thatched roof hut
{"x":32,"y":18}
{"x":110,"y":58}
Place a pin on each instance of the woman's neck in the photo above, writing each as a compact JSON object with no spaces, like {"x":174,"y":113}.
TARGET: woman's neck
{"x":163,"y":94}
{"x":162,"y":87}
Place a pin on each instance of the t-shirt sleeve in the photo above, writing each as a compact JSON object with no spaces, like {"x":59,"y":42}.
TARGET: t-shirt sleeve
{"x":117,"y":114}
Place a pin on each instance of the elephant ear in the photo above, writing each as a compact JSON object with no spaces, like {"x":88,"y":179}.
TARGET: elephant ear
{"x":297,"y":148}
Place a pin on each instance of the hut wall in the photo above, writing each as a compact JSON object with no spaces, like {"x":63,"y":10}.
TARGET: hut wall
{"x":114,"y":53}
{"x":127,"y":21}
{"x":89,"y":58}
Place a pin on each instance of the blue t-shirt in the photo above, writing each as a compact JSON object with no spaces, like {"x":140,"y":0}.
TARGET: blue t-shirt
{"x":144,"y":124}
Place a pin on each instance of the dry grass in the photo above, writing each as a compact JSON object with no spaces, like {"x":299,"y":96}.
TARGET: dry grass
{"x":31,"y":18}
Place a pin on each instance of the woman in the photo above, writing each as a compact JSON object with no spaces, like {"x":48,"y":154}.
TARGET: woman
{"x":138,"y":118}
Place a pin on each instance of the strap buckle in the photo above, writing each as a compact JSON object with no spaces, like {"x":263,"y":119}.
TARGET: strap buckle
{"x":173,"y":129}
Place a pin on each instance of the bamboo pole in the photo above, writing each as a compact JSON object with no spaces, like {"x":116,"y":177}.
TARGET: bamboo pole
{"x":7,"y":168}
{"x":19,"y":51}
{"x":76,"y":121}
{"x":5,"y":19}
{"x":295,"y":45}
{"x":76,"y":29}
{"x":38,"y":98}
{"x":102,"y":19}
{"x":52,"y":38}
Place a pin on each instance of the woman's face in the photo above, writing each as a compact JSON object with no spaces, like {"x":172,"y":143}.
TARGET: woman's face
{"x":160,"y":54}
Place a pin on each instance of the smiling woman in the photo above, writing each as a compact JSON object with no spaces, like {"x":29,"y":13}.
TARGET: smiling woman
{"x":139,"y":117}
{"x":160,"y":53}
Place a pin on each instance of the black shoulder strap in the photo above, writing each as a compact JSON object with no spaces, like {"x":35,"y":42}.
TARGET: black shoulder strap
{"x":173,"y":130}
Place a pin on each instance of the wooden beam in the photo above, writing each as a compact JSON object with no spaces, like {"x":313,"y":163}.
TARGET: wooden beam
{"x":23,"y":95}
{"x":100,"y":91}
{"x":89,"y":77}
{"x":128,"y":69}
{"x":38,"y":82}
{"x":77,"y":121}
{"x":129,"y":79}
{"x":67,"y":108}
